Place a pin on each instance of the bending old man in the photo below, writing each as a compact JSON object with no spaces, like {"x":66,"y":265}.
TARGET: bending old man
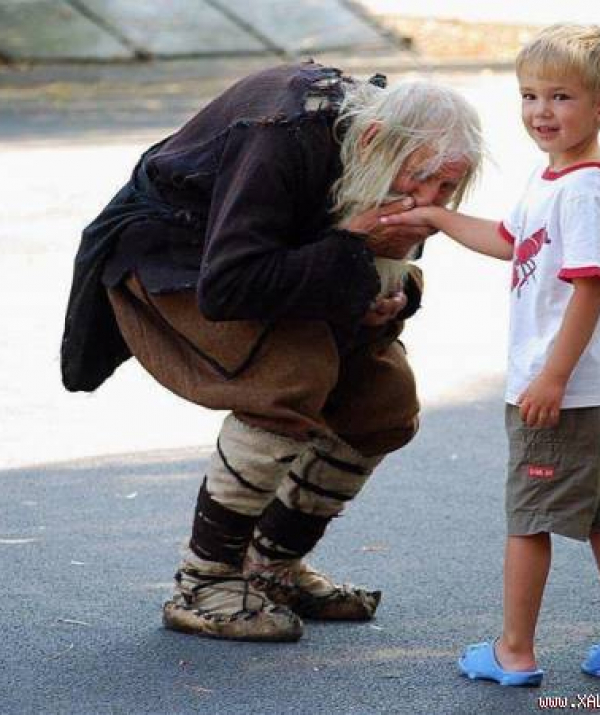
{"x":246,"y":268}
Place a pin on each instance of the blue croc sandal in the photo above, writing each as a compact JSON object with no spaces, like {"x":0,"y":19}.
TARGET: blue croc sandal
{"x":478,"y":662}
{"x":591,"y":665}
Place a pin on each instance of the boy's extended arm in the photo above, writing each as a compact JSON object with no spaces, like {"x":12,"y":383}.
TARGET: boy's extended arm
{"x":478,"y":234}
{"x":540,"y":402}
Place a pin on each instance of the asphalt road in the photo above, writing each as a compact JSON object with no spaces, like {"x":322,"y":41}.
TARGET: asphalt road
{"x":88,"y":545}
{"x":89,"y":548}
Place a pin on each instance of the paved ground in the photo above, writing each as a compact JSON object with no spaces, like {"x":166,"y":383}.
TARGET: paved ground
{"x":88,"y":543}
{"x":81,"y":592}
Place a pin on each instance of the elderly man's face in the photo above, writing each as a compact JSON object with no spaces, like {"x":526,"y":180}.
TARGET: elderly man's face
{"x":427,"y":189}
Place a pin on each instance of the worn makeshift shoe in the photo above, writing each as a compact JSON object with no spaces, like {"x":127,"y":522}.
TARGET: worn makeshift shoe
{"x":591,"y":665}
{"x":226,"y":606}
{"x":478,"y":662}
{"x":307,"y":592}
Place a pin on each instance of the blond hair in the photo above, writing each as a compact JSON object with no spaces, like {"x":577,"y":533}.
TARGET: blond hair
{"x":563,"y":51}
{"x":411,"y":115}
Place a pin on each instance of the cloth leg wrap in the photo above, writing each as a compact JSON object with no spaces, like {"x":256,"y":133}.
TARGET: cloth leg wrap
{"x":326,"y":475}
{"x":248,"y":466}
{"x":243,"y":475}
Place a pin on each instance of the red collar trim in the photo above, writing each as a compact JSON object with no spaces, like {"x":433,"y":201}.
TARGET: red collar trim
{"x":551,"y":175}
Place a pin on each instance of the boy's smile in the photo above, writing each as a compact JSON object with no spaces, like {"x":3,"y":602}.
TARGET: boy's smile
{"x":562,"y":117}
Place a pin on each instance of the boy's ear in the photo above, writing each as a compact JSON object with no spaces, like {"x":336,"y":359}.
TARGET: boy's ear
{"x":369,"y":134}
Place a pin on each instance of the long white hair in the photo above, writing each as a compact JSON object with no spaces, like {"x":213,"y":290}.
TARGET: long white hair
{"x":410,"y":115}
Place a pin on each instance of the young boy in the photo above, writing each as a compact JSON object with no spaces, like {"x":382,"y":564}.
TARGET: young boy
{"x":553,"y":379}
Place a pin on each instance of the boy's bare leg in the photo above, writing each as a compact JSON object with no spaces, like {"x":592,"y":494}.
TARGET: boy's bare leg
{"x":591,"y":664}
{"x":526,"y":566}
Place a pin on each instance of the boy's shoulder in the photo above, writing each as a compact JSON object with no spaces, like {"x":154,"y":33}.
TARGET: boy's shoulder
{"x":579,"y":177}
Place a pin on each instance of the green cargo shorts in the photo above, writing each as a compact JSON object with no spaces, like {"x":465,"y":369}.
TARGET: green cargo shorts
{"x":553,"y":482}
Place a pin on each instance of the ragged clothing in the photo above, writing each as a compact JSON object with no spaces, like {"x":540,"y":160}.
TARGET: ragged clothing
{"x":235,"y":206}
{"x":290,"y":380}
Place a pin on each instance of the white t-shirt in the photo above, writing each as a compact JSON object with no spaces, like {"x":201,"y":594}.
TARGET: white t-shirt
{"x":555,"y":230}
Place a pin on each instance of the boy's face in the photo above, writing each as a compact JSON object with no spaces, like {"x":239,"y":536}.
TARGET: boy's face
{"x":562,"y":117}
{"x":427,"y":189}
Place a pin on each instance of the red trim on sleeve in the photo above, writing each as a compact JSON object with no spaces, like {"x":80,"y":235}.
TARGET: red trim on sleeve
{"x":505,"y":233}
{"x":567,"y":274}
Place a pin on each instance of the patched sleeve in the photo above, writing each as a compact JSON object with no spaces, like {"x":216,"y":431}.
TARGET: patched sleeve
{"x":580,"y":230}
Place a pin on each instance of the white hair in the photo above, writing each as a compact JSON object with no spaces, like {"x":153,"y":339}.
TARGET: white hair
{"x":410,"y":115}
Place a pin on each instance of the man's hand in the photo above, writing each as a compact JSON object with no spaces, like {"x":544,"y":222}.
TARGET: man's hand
{"x":383,"y":310}
{"x":539,"y":404}
{"x":389,"y":241}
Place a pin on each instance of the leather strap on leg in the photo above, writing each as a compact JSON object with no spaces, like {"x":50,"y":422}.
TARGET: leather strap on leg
{"x":220,"y":534}
{"x":286,"y":533}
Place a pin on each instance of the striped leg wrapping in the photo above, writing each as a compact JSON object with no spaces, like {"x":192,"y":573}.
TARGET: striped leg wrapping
{"x":319,"y":483}
{"x":212,"y":596}
{"x":324,"y":477}
{"x":248,"y":465}
{"x":243,"y":475}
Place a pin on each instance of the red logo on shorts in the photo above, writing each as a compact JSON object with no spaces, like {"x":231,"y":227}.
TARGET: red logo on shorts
{"x":536,"y":471}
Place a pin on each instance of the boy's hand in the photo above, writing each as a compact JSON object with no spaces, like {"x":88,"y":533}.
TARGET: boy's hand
{"x":540,"y":403}
{"x":418,"y":217}
{"x":383,"y":310}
